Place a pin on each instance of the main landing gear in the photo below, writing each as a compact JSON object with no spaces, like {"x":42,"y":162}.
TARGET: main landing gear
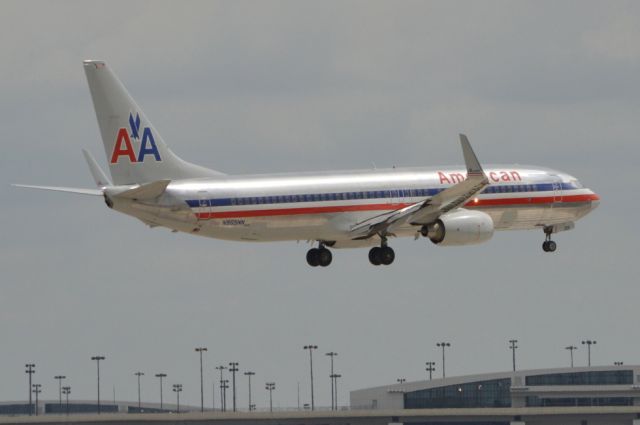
{"x":320,"y":256}
{"x":548,"y":245}
{"x":382,"y":254}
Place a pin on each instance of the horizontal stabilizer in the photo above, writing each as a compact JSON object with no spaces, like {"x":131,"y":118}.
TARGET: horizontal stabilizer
{"x":99,"y":176}
{"x":146,"y":191}
{"x":79,"y":191}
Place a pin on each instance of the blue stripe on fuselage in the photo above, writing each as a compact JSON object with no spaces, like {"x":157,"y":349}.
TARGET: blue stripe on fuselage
{"x":370,"y":194}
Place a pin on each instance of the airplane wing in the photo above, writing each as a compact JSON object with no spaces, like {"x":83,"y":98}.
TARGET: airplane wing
{"x":428,"y":210}
{"x":80,"y":191}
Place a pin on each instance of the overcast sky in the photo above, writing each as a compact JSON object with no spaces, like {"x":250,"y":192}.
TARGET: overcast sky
{"x":246,"y":87}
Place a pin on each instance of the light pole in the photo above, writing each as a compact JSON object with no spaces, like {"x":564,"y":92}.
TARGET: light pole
{"x":589,"y":343}
{"x":200,"y":350}
{"x":233,"y":368}
{"x":431,"y":367}
{"x":335,"y":377}
{"x":618,"y":363}
{"x":225,"y":387}
{"x":66,"y":391}
{"x":161,"y":375}
{"x":571,"y":348}
{"x":60,"y":378}
{"x":139,"y":374}
{"x":270,"y":386}
{"x":443,"y":345}
{"x":177,"y":388}
{"x":513,"y":347}
{"x":311,"y":348}
{"x":36,"y":391}
{"x":249,"y":374}
{"x":30,"y":372}
{"x":332,"y":355}
{"x":401,"y":380}
{"x":97,"y":359}
{"x":222,"y":403}
{"x":213,"y":393}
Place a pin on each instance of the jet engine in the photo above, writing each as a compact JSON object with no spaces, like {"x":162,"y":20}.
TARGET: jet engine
{"x":461,"y":227}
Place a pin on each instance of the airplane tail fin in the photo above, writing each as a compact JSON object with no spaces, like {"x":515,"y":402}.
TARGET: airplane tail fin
{"x":135,"y":151}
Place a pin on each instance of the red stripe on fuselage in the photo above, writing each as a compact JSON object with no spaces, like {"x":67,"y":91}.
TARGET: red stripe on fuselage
{"x":533,"y":200}
{"x":390,"y":207}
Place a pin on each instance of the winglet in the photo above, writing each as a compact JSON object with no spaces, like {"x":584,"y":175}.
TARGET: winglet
{"x":99,"y":176}
{"x":470,"y":158}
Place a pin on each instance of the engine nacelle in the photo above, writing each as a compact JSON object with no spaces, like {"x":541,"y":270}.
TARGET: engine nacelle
{"x":462,"y":227}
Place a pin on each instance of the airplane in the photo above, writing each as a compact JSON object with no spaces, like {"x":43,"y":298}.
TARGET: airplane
{"x":450,"y":206}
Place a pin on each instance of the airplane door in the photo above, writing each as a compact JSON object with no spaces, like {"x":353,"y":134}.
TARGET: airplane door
{"x":204,"y":212}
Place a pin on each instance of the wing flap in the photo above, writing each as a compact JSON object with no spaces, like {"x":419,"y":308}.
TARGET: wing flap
{"x":384,"y":222}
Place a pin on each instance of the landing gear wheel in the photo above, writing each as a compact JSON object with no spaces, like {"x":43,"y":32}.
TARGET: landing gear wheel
{"x":324,"y":257}
{"x":387,"y":255}
{"x":548,"y":245}
{"x":375,"y":256}
{"x":313,"y":257}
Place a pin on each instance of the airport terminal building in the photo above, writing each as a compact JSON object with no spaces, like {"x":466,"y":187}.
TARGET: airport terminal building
{"x":566,"y":387}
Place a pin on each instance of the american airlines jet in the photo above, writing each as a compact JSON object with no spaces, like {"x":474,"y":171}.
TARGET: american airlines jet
{"x":450,"y":206}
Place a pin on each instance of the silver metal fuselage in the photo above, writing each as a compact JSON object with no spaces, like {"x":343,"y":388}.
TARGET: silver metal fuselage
{"x":325,"y":206}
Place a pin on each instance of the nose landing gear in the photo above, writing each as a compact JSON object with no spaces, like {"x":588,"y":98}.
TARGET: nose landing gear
{"x":548,"y":245}
{"x":320,"y":256}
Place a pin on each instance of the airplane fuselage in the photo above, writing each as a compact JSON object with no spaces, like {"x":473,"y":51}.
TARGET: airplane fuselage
{"x":450,"y":206}
{"x":325,"y":206}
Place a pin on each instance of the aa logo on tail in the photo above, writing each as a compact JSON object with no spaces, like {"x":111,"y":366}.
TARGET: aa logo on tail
{"x":124,"y":147}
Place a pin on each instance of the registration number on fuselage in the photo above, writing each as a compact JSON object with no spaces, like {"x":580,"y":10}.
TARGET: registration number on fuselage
{"x":233,"y":222}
